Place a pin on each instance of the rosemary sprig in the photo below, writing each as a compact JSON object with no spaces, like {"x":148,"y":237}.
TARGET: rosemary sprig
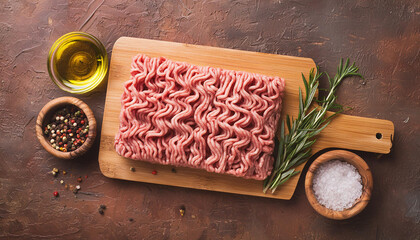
{"x":294,"y":148}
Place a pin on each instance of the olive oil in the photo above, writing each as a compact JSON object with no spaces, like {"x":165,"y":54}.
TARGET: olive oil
{"x":78,"y":62}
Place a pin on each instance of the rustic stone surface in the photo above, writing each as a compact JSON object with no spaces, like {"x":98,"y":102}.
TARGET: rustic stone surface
{"x":381,"y":36}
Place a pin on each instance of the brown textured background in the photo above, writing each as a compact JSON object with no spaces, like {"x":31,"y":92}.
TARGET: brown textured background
{"x":383,"y":37}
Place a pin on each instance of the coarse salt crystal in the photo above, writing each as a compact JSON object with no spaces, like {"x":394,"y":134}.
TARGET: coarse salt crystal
{"x":337,"y":185}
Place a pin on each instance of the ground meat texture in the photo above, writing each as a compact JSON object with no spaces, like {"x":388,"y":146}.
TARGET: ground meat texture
{"x":223,"y":121}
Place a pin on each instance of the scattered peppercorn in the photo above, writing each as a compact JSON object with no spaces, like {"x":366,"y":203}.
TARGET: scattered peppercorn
{"x":182,"y":210}
{"x":63,"y":123}
{"x":79,"y":179}
{"x":78,"y":187}
{"x":154,"y":172}
{"x":101,"y":209}
{"x":64,"y":172}
{"x":55,"y":194}
{"x":132,"y":169}
{"x":131,"y":220}
{"x":173,"y":170}
{"x":62,"y":181}
{"x":55,"y":170}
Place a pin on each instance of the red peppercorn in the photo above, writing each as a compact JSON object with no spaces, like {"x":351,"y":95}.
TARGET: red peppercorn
{"x":60,"y":143}
{"x":72,"y":121}
{"x":69,"y":131}
{"x":82,"y":122}
{"x":154,"y":172}
{"x":55,"y":194}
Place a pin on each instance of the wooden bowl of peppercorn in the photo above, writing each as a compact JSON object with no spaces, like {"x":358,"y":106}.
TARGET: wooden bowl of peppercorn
{"x":66,"y":127}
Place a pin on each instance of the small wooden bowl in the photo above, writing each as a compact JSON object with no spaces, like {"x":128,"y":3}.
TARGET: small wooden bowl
{"x":49,"y":109}
{"x":364,"y":172}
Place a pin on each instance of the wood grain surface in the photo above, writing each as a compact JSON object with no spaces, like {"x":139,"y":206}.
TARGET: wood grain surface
{"x":345,"y":132}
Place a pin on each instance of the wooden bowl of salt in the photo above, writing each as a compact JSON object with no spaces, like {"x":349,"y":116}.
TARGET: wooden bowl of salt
{"x":338,"y":184}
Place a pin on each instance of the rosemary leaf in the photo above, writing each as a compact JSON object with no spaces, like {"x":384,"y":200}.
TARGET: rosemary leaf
{"x":294,"y":148}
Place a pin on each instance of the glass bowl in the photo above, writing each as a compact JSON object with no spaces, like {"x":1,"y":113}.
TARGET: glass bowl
{"x":77,"y":62}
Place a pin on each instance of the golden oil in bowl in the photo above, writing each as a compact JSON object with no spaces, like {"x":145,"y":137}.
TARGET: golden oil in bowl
{"x":77,"y":62}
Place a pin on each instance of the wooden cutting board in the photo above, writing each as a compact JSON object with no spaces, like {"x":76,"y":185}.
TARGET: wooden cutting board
{"x":348,"y":132}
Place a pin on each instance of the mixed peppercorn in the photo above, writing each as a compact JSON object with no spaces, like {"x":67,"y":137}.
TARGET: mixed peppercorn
{"x":101,"y":209}
{"x":74,"y":188}
{"x":68,"y":129}
{"x":182,"y":210}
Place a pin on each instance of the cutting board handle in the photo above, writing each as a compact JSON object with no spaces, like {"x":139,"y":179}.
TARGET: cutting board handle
{"x":356,"y":133}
